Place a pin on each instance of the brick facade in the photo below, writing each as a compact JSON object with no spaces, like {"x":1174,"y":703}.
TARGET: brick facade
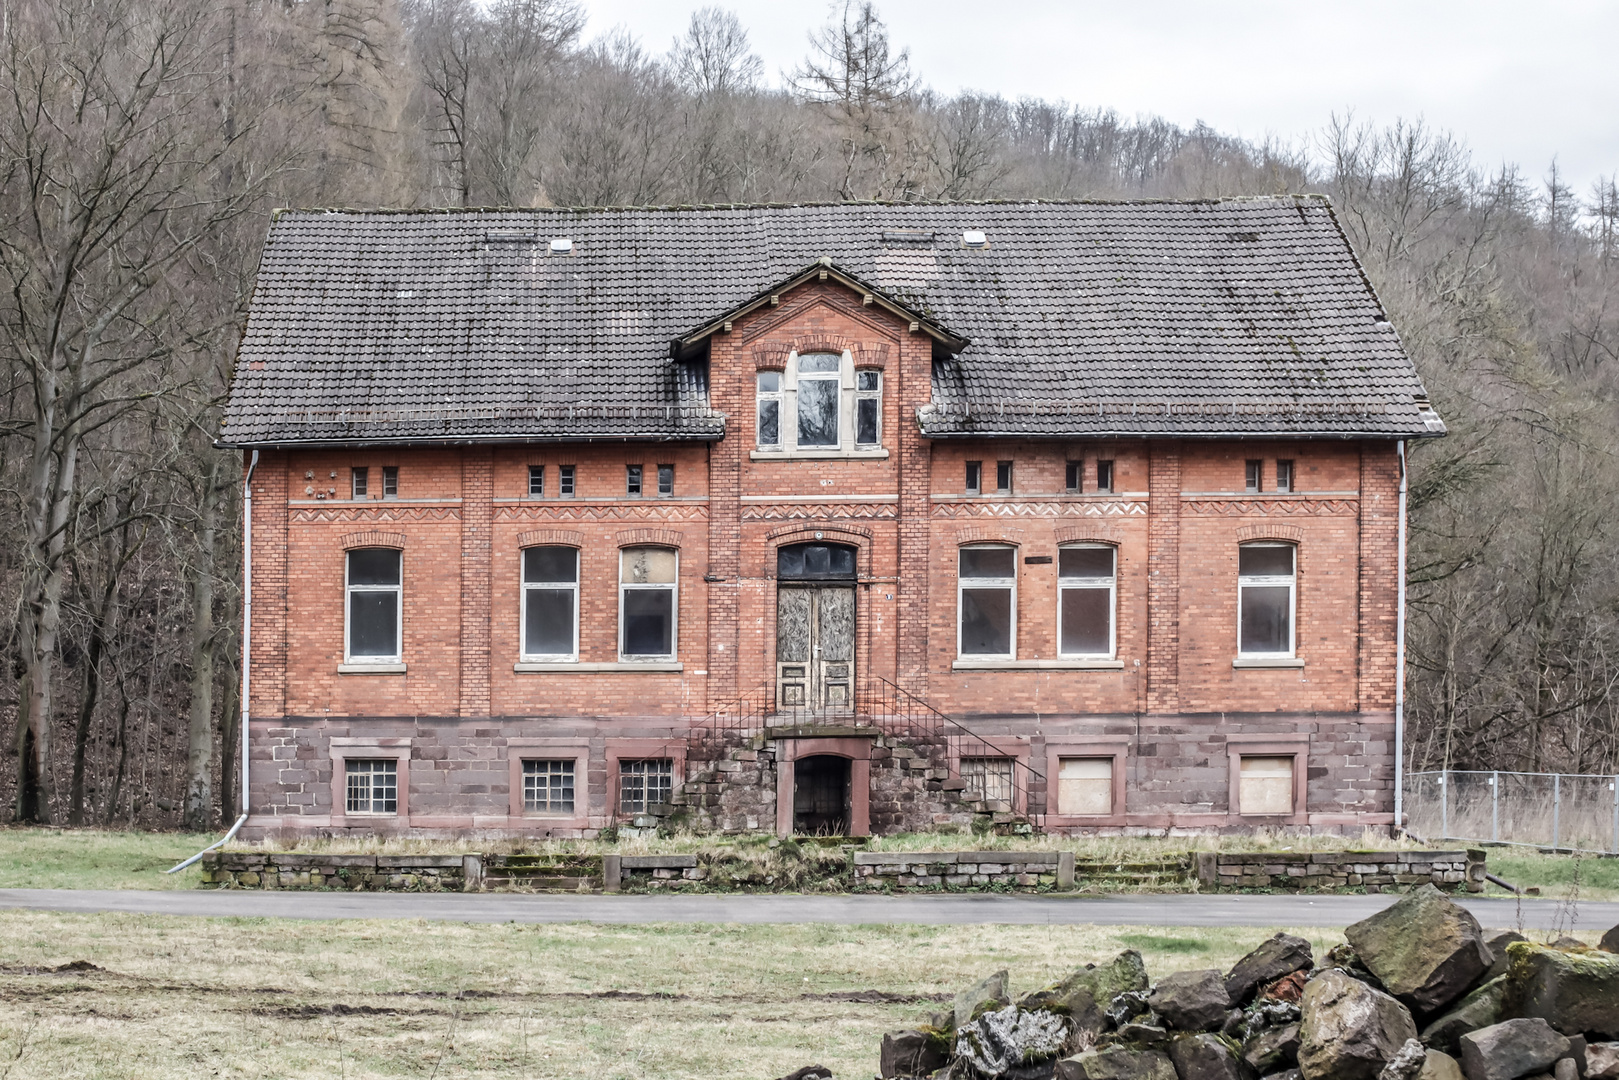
{"x":1168,"y":711}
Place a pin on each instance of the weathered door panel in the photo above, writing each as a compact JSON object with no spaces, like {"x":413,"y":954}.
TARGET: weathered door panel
{"x":794,"y":609}
{"x":834,"y":644}
{"x":815,"y":647}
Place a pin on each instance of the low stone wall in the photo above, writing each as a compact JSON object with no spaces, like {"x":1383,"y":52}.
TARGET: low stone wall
{"x":650,"y":871}
{"x":900,"y":870}
{"x":366,"y":873}
{"x":1452,"y":871}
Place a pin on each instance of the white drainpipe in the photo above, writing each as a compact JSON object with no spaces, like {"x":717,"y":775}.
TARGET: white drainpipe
{"x":1399,"y":663}
{"x":247,"y":653}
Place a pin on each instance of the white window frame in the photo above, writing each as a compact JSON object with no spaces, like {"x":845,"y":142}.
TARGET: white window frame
{"x":1291,"y":581}
{"x":674,"y":609}
{"x":1112,"y":584}
{"x":349,"y":763}
{"x":524,"y":585}
{"x":349,"y":589}
{"x":1011,"y":583}
{"x":779,"y":396}
{"x":847,"y":378}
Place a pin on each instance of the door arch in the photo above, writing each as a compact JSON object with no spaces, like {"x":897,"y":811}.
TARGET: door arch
{"x":815,"y":626}
{"x":822,"y":791}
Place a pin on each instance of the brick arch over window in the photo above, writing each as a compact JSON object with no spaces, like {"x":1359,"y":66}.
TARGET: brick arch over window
{"x":1102,"y":534}
{"x":373,"y":539}
{"x":550,"y":537}
{"x":855,"y":536}
{"x":772,"y":355}
{"x":655,"y":537}
{"x":1290,"y":533}
{"x":981,"y":535}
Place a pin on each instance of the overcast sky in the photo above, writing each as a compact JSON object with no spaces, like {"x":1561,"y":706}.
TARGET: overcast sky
{"x":1519,"y":82}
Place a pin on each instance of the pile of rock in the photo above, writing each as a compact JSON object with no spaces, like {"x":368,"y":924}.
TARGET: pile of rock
{"x":1417,"y":992}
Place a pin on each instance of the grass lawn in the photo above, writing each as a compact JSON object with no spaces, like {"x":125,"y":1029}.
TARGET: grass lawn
{"x":32,"y":858}
{"x":256,"y":998}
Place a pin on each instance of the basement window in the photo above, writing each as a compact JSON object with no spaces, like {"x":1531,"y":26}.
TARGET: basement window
{"x":987,"y":778}
{"x":1085,"y":787}
{"x":372,"y":786}
{"x":390,"y":481}
{"x":1265,"y":786}
{"x":548,"y":786}
{"x":644,"y":784}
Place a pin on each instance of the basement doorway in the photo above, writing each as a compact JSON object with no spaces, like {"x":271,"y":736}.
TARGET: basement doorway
{"x":821,"y":795}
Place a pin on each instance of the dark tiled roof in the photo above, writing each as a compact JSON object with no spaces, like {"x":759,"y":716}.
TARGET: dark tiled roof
{"x":1243,"y":316}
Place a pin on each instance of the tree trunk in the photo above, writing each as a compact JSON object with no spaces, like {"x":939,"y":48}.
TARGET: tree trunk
{"x":87,"y":702}
{"x":199,"y":801}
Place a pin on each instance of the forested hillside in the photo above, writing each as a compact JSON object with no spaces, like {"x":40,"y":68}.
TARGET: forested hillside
{"x":144,"y":144}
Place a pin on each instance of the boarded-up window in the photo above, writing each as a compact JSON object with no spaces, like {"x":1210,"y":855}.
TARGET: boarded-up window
{"x":1266,"y":786}
{"x":1085,"y":787}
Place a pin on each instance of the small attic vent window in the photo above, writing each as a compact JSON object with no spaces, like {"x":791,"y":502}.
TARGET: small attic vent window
{"x":974,"y":238}
{"x":907,"y":238}
{"x":561,"y":246}
{"x":509,"y":236}
{"x":1242,"y":237}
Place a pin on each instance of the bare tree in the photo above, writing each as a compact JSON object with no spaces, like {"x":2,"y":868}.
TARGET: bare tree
{"x":713,"y":57}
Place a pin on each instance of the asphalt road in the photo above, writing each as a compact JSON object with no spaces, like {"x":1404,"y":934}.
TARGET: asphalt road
{"x":1167,"y":910}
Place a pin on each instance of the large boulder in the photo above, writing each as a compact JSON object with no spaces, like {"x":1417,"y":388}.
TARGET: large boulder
{"x":1207,"y":1057}
{"x":1480,"y":1009}
{"x":1497,"y":941}
{"x":1440,"y":1066}
{"x":1511,"y":1049}
{"x":1272,"y":1049}
{"x":1280,"y":956}
{"x":1574,"y":992}
{"x":987,"y":993}
{"x":1610,"y":941}
{"x":1349,"y":1031}
{"x":1425,"y":949}
{"x":996,"y":1042}
{"x":1191,"y":1000}
{"x":913,"y":1052}
{"x":1116,"y":1063}
{"x":1086,"y":994}
{"x":1602,"y":1061}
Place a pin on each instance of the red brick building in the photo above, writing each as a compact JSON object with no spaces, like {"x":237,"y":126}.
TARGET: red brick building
{"x":846,"y":518}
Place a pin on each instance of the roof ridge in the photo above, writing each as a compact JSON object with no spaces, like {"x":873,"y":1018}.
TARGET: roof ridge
{"x":1295,"y":197}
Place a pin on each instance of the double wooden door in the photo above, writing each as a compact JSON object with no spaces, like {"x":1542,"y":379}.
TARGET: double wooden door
{"x":815,"y":646}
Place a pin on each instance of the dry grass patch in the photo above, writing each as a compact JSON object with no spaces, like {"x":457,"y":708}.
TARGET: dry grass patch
{"x":251,"y":998}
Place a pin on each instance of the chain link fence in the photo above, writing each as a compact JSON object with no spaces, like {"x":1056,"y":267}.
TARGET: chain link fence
{"x":1550,"y":810}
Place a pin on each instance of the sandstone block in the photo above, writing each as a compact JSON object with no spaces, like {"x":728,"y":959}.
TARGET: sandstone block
{"x":1511,"y":1049}
{"x":1191,"y":1000}
{"x":1480,"y":1009}
{"x":1574,"y":992}
{"x":1349,"y":1031}
{"x":1425,"y":949}
{"x":1281,"y":955}
{"x":1206,"y":1057}
{"x":912,"y":1052}
{"x":1116,"y":1063}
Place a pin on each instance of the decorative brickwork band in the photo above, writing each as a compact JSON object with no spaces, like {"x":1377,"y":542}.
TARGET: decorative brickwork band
{"x":1270,"y":531}
{"x":1070,"y":534}
{"x":657,"y":537}
{"x":547,"y":537}
{"x":373,"y":539}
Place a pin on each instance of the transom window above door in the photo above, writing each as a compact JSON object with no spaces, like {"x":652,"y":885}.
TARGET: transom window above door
{"x":818,"y":405}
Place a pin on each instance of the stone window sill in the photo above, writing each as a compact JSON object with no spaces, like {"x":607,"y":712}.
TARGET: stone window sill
{"x":370,"y":669}
{"x":1038,"y":665}
{"x":1267,"y":662}
{"x":818,"y":455}
{"x":564,"y":667}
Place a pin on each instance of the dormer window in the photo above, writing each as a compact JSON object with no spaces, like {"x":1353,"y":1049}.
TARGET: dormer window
{"x":820,"y":406}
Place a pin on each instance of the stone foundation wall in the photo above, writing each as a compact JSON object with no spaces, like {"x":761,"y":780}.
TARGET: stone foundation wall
{"x":902,"y":870}
{"x":361,"y":873}
{"x":1374,"y":870}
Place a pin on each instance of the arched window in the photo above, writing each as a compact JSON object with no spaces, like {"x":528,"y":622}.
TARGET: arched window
{"x":1266,"y":598}
{"x":986,"y":601}
{"x":1086,"y":596}
{"x":550,"y":603}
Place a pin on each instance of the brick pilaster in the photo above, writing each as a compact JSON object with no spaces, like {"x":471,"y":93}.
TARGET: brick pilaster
{"x":1163,"y":576}
{"x":1379,"y":569}
{"x":268,"y":678}
{"x":725,"y":523}
{"x":477,"y":512}
{"x":912,"y":614}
